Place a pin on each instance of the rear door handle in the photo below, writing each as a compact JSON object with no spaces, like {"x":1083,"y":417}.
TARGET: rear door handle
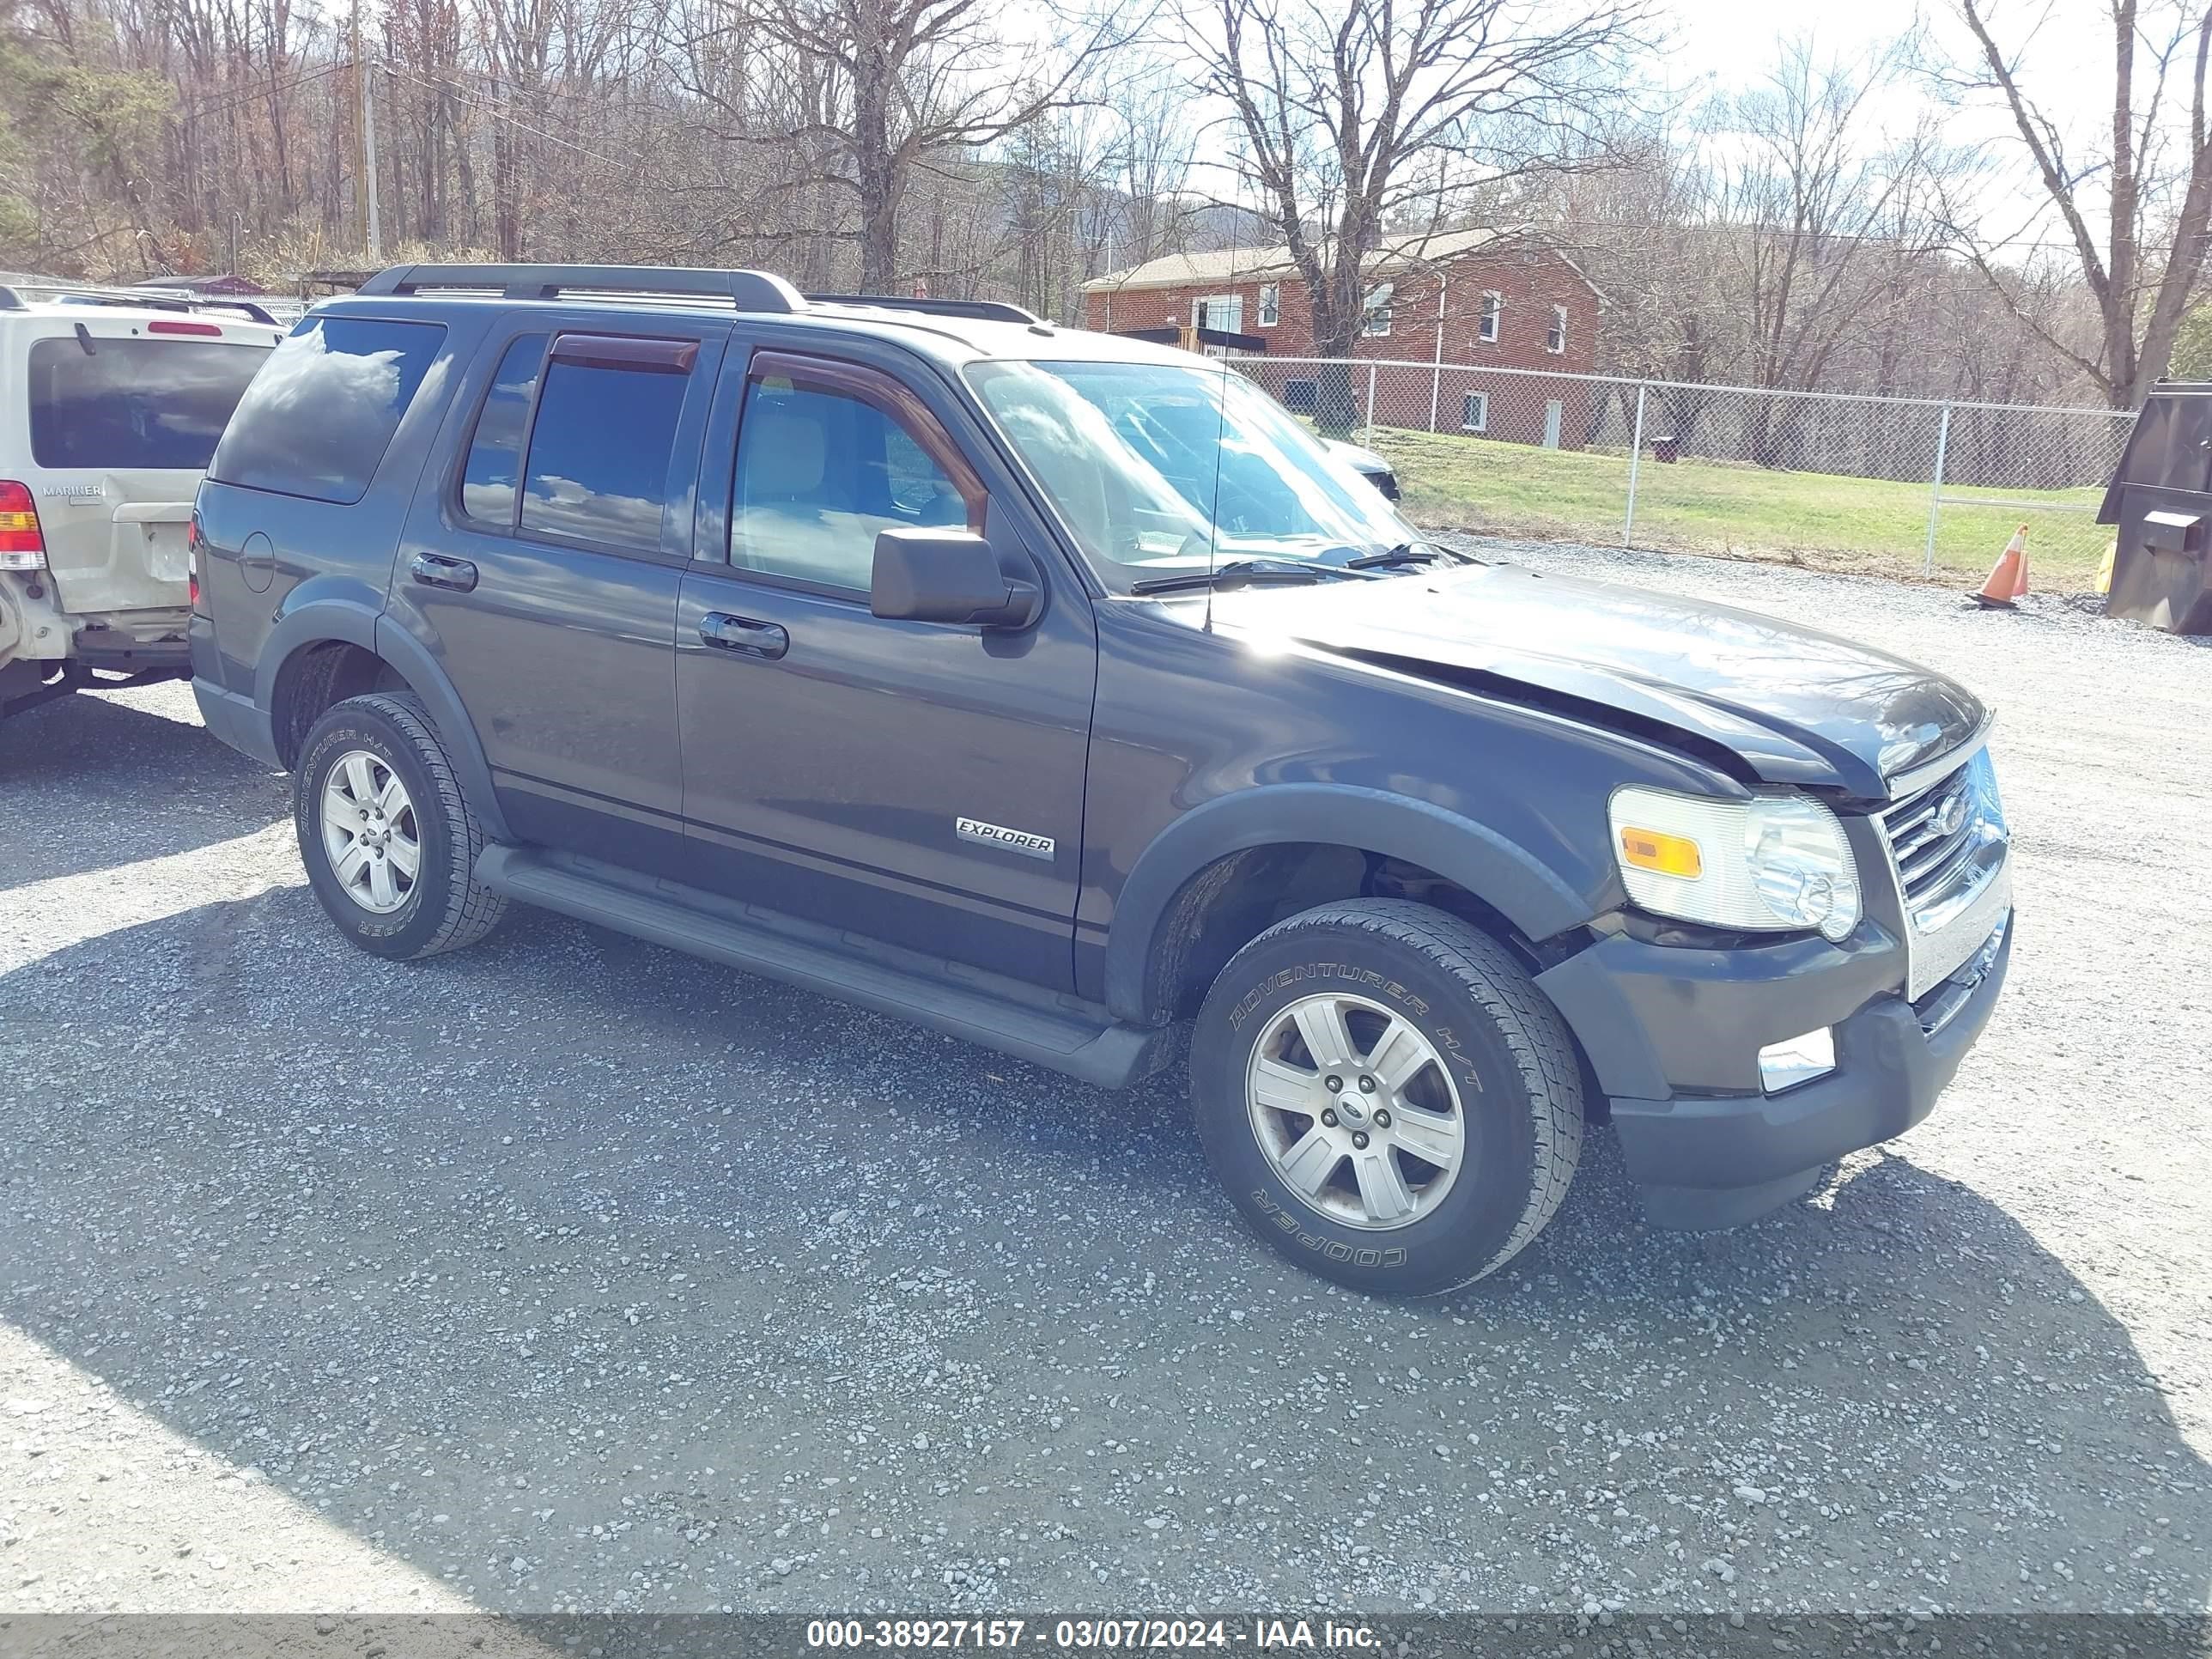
{"x":743,"y":635}
{"x":434,"y":572}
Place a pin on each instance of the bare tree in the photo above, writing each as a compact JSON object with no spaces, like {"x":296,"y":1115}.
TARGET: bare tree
{"x":1149,"y":174}
{"x":912,"y":85}
{"x":1355,"y":118}
{"x":2149,"y":175}
{"x":1813,"y":199}
{"x":1813,"y":212}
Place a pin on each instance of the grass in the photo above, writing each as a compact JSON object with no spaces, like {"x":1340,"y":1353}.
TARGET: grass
{"x":1814,"y":519}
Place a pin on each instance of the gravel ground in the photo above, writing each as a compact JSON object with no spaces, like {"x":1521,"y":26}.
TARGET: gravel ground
{"x":569,"y":1272}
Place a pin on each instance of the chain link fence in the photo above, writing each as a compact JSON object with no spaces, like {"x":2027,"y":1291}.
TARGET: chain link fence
{"x":1899,"y":486}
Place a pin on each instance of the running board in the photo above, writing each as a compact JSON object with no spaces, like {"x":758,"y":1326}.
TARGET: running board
{"x":1093,"y":1047}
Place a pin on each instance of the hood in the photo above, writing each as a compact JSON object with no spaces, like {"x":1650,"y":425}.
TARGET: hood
{"x":1788,"y":705}
{"x":1358,"y":460}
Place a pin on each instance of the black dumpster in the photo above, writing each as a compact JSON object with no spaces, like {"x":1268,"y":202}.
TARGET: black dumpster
{"x":2161,"y":501}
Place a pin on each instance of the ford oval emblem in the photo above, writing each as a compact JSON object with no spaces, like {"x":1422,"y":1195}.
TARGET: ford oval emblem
{"x":1951,"y":816}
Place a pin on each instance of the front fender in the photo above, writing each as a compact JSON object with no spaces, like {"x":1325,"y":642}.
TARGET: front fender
{"x":1529,"y":895}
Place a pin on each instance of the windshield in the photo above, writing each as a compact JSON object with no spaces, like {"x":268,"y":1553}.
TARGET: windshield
{"x":1160,"y":469}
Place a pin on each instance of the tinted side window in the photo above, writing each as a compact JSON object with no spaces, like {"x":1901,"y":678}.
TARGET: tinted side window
{"x":600,"y":454}
{"x":819,"y":473}
{"x":135,"y":402}
{"x":319,"y":416}
{"x":496,"y":452}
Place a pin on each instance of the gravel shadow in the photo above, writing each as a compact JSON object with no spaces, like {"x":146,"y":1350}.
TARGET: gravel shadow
{"x":92,"y":782}
{"x":571,"y":1272}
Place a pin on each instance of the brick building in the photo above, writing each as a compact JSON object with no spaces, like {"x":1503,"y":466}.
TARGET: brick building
{"x":1467,"y":300}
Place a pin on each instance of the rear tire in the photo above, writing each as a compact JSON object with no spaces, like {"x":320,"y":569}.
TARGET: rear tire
{"x":388,"y":839}
{"x":1463,"y":1147}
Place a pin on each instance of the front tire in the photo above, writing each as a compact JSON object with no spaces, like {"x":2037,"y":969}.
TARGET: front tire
{"x":388,"y":839}
{"x":1387,"y":1096}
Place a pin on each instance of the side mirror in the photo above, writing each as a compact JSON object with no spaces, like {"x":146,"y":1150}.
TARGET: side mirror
{"x":949,"y":576}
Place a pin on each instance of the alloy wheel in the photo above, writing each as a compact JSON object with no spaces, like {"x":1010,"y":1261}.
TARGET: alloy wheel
{"x":1356,"y":1111}
{"x":370,"y":833}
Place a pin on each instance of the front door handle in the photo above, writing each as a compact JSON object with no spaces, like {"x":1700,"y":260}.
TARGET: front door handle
{"x":743,"y":635}
{"x":433,"y":571}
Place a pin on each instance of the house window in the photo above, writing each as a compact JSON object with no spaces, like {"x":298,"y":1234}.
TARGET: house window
{"x":1556,"y":340}
{"x":1493,"y":307}
{"x":1224,"y":312}
{"x":1377,"y":307}
{"x":1474,"y":412}
{"x":1271,"y":304}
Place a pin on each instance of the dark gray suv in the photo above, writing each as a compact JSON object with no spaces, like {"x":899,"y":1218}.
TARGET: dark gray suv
{"x":1064,"y":694}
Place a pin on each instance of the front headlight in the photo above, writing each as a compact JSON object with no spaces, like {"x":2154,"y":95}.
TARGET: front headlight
{"x":1771,"y":863}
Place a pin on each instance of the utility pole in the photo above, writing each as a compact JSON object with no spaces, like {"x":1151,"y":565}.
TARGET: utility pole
{"x":368,"y":150}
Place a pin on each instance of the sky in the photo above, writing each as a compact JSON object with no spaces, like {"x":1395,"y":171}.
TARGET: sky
{"x":1731,"y":42}
{"x":2066,"y":53}
{"x":2065,"y":48}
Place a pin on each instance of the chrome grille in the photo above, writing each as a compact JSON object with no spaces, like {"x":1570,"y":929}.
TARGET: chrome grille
{"x":1930,"y":857}
{"x":1947,"y":845}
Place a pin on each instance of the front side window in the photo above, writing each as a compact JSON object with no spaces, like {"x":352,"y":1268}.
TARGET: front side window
{"x":821,"y":472}
{"x":1271,"y":304}
{"x":1474,"y":412}
{"x":322,"y":411}
{"x":1378,"y":307}
{"x":1493,"y":307}
{"x":494,"y":463}
{"x":600,"y":454}
{"x":1556,"y":340}
{"x":142,"y":403}
{"x":1160,"y":469}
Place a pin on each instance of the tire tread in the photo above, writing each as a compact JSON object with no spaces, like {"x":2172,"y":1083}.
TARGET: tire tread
{"x":472,"y":909}
{"x":1495,"y":983}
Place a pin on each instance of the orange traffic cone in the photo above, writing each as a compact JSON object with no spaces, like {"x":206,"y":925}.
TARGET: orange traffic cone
{"x":2008,"y":576}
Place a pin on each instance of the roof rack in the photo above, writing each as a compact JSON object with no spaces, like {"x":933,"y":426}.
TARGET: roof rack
{"x":143,"y":299}
{"x":988,"y":311}
{"x":746,"y":290}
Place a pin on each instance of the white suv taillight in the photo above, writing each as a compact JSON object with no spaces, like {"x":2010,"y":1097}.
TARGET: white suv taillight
{"x":22,"y":546}
{"x":192,"y":562}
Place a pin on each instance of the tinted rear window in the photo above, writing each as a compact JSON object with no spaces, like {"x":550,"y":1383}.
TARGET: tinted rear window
{"x":318,"y":418}
{"x":495,"y":451}
{"x":599,"y":451}
{"x":134,"y":403}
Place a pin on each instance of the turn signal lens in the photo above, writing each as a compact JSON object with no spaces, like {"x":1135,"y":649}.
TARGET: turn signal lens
{"x":22,"y":546}
{"x":1653,"y":849}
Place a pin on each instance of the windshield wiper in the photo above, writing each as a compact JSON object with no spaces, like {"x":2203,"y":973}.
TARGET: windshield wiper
{"x":1410,"y":553}
{"x":1241,"y":572}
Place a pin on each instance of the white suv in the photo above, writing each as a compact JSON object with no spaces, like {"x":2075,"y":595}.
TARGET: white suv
{"x":110,"y":405}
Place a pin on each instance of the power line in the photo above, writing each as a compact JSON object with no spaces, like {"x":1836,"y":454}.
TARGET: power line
{"x":195,"y":111}
{"x":435,"y":83}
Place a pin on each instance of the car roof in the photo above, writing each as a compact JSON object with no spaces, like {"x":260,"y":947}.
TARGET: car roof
{"x":52,"y":299}
{"x":953,"y":339}
{"x":65,"y":314}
